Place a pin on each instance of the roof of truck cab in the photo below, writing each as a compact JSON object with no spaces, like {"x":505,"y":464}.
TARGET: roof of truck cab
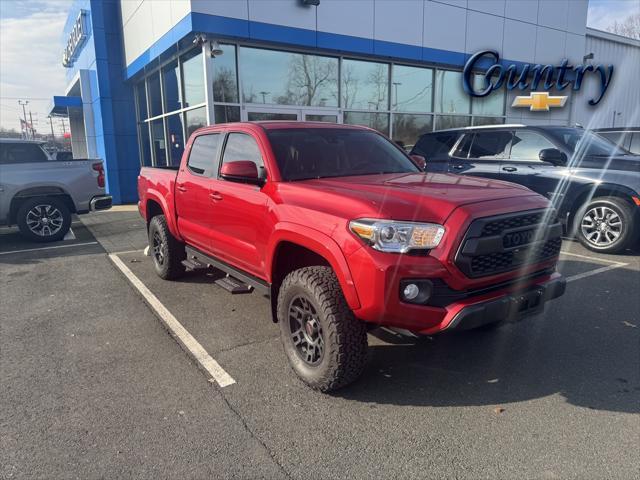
{"x":282,"y":124}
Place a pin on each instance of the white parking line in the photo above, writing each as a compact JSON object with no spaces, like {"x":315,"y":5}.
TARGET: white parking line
{"x":48,"y":248}
{"x":175,"y":327}
{"x":595,"y":271}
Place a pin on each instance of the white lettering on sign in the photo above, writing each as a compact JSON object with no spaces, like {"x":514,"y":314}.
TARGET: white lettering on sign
{"x":77,"y":37}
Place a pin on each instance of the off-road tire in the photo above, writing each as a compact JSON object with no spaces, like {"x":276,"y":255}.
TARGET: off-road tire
{"x":345,"y":338}
{"x":53,"y":203}
{"x":168,"y":265}
{"x":623,"y":210}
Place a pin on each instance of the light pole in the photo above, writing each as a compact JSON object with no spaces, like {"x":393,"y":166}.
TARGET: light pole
{"x":53,"y":137}
{"x":24,"y":115}
{"x":613,"y":120}
{"x":395,"y":84}
{"x":264,"y":94}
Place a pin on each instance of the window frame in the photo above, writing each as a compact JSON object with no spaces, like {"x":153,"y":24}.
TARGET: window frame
{"x":207,"y":173}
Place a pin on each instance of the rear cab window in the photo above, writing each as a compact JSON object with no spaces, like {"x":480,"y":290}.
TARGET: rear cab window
{"x":203,"y":157}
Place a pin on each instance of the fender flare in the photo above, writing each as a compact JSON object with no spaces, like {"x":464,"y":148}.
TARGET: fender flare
{"x":154,"y":195}
{"x":320,"y":244}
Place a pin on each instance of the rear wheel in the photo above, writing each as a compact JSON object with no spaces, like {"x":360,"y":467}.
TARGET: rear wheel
{"x":605,"y":225}
{"x":45,"y":219}
{"x":326,"y":345}
{"x":167,"y":252}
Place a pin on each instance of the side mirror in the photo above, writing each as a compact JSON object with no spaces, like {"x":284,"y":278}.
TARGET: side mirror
{"x":420,"y":161}
{"x":243,"y":171}
{"x":553,"y":156}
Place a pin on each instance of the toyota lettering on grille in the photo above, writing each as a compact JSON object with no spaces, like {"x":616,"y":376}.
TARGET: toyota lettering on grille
{"x":516,"y":239}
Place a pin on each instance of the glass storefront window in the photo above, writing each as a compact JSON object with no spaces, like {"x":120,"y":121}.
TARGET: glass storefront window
{"x":171,"y":89}
{"x":377,"y":121}
{"x":407,"y":127}
{"x":488,"y":121}
{"x":287,"y":78}
{"x":452,"y":121}
{"x":365,"y":85}
{"x":226,"y":114}
{"x":266,"y":116}
{"x":195,"y":119}
{"x":412,"y":89}
{"x":225,"y":77}
{"x":145,"y":149}
{"x":175,"y":138}
{"x":449,"y":95}
{"x":141,"y":98}
{"x":193,"y":78}
{"x":492,"y":104}
{"x":158,"y":142}
{"x":155,"y":98}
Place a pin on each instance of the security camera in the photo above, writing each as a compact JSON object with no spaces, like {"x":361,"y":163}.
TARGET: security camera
{"x":215,"y":49}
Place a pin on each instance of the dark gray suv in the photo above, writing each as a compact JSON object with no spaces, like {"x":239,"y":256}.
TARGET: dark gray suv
{"x":593,"y":183}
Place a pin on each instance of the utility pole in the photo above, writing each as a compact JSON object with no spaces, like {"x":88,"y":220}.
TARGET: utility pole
{"x":53,"y":137}
{"x":33,"y":133}
{"x":24,"y":116}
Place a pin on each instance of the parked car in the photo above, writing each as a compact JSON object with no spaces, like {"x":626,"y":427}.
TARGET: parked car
{"x":592,"y":183}
{"x":39,"y":193}
{"x":341,"y":230}
{"x":627,"y":137}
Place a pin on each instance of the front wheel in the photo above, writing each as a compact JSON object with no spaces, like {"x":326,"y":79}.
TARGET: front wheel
{"x":326,"y":345}
{"x":167,"y":252}
{"x":605,"y":225}
{"x":45,"y":219}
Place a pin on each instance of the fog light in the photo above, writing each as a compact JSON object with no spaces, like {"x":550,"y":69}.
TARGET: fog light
{"x":411,"y":291}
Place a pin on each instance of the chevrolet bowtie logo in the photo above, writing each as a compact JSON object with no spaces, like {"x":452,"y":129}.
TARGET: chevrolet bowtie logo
{"x":539,"y":101}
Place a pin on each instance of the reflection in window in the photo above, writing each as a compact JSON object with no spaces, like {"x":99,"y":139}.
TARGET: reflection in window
{"x":226,"y":114}
{"x":266,"y":116}
{"x":490,"y":145}
{"x":225,"y":77}
{"x":488,"y":121}
{"x":286,"y":78}
{"x":145,"y":149}
{"x":203,"y":155}
{"x":239,"y":147}
{"x":193,"y":78}
{"x":527,"y":145}
{"x":412,"y":89}
{"x":170,"y":82}
{"x":195,"y":119}
{"x":492,"y":104}
{"x":452,"y":121}
{"x":449,"y":95}
{"x":155,"y":99}
{"x":365,"y":85}
{"x":175,"y":139}
{"x":407,"y":128}
{"x":377,"y":121}
{"x":159,"y":146}
{"x":141,"y":98}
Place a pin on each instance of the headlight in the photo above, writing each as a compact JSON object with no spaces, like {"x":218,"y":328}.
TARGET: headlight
{"x":398,"y":237}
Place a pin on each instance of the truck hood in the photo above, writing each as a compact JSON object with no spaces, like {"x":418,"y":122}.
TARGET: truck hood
{"x":428,"y":197}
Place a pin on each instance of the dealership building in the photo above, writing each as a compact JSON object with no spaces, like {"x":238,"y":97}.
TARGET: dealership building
{"x":142,"y":75}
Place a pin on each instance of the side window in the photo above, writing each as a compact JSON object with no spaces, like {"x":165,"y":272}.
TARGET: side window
{"x":462,"y":150}
{"x":526,"y":145}
{"x":490,"y":145}
{"x":21,"y":153}
{"x":203,"y":156}
{"x":619,"y":138}
{"x":634,"y":147}
{"x":241,"y":146}
{"x":435,"y":144}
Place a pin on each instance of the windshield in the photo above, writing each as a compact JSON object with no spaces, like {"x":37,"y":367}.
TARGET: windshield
{"x":304,"y":153}
{"x":585,"y":142}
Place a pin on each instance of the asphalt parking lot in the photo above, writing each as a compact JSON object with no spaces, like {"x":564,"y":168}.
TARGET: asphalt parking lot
{"x":94,"y":385}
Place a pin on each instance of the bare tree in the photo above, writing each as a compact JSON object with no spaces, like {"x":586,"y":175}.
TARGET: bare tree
{"x":629,"y":27}
{"x":309,"y":76}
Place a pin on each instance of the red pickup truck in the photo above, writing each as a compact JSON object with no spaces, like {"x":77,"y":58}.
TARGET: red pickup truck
{"x":343,"y":231}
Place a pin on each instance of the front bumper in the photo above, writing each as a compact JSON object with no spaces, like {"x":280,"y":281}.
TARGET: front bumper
{"x":101,"y":202}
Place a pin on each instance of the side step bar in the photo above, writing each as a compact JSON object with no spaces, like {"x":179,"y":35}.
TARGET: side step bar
{"x":236,"y":281}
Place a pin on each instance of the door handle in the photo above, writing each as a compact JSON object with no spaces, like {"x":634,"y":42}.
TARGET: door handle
{"x":509,"y":169}
{"x":458,"y":167}
{"x":181,"y":188}
{"x":215,"y":196}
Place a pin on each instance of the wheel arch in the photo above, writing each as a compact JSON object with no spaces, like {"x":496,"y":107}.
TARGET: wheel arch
{"x":156,"y":204}
{"x":41,"y":191}
{"x":602,"y":190}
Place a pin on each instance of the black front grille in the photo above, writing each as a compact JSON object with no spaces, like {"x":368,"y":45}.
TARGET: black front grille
{"x":499,"y":244}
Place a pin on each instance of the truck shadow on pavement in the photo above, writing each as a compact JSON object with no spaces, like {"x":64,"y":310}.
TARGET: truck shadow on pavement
{"x":578,"y":348}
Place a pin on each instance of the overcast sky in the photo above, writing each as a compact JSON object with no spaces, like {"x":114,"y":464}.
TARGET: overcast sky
{"x":31,"y":52}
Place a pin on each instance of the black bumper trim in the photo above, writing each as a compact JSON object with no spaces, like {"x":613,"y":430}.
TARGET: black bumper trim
{"x":509,"y":307}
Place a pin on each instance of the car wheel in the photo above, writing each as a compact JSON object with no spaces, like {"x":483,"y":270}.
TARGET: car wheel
{"x":45,"y":219}
{"x":167,"y":252}
{"x":326,"y":345}
{"x":605,"y":225}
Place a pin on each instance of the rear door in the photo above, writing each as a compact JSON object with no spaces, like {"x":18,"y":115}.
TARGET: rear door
{"x":435,"y":147}
{"x":193,"y":204}
{"x":480,"y":153}
{"x":240,"y":214}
